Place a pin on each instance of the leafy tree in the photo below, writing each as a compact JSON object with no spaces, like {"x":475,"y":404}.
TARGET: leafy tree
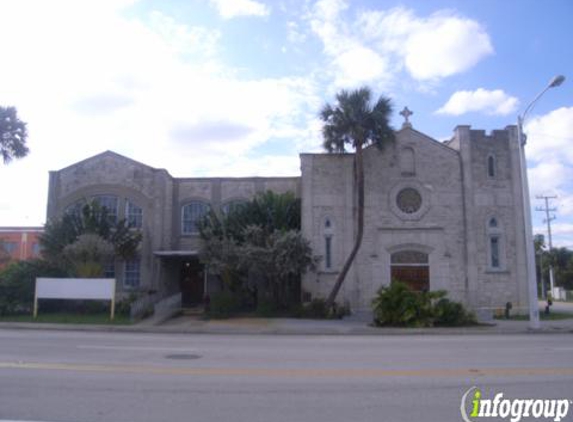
{"x":562,"y":261}
{"x":269,"y":210}
{"x":17,"y":283}
{"x":90,"y":219}
{"x":13,"y":135}
{"x":355,"y":122}
{"x":88,"y":254}
{"x":277,"y":258}
{"x":258,"y":246}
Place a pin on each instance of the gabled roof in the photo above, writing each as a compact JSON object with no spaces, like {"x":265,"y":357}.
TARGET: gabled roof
{"x":419,"y":135}
{"x":112,"y":154}
{"x":430,"y":139}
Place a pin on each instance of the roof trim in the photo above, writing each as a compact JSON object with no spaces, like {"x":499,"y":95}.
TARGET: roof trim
{"x":116,"y":155}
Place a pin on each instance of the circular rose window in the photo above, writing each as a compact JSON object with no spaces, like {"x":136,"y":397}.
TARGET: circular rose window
{"x":409,"y":200}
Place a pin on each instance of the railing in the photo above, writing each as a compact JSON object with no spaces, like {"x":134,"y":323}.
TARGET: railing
{"x":142,"y":306}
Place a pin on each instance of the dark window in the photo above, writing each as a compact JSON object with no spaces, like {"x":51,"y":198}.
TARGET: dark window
{"x":328,"y":252}
{"x":109,"y":202}
{"x":409,"y":257}
{"x":494,"y":251}
{"x":109,"y":269}
{"x":491,"y":166}
{"x":192,"y":214}
{"x":409,"y":200}
{"x":132,"y":273}
{"x":133,"y":215}
{"x":233,"y":206}
{"x":10,"y":247}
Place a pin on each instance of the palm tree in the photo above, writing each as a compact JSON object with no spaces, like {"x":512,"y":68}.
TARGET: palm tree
{"x":354,"y":120}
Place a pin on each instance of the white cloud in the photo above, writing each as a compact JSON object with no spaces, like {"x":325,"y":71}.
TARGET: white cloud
{"x":151,"y":89}
{"x":551,"y":136}
{"x":359,"y":65}
{"x":428,"y":48}
{"x":495,"y":102}
{"x":550,"y":156}
{"x":234,"y":8}
{"x":548,"y":177}
{"x":444,"y":45}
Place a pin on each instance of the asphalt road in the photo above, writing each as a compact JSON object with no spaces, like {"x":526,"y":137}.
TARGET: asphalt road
{"x":79,"y":376}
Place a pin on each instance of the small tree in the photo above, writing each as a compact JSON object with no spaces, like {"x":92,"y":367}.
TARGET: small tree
{"x":258,"y":242}
{"x":277,"y":259}
{"x":88,"y":254}
{"x":91,"y":219}
{"x":17,"y":283}
{"x":13,"y":135}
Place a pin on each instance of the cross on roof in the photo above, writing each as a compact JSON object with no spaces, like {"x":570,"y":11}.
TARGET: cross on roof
{"x":406,"y":113}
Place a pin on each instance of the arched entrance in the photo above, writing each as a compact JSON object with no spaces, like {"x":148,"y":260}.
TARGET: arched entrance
{"x":412,"y":268}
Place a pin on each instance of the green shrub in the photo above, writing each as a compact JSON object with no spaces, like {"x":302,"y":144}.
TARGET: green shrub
{"x":397,"y":305}
{"x":123,"y":307}
{"x":452,"y":314}
{"x":17,"y":284}
{"x":315,"y":309}
{"x":266,"y":308}
{"x":224,"y":304}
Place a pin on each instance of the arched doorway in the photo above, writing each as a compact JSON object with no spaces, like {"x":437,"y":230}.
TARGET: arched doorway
{"x":412,"y":268}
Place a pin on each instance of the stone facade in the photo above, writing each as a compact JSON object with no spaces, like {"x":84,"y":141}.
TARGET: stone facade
{"x":439,"y":215}
{"x":168,"y":251}
{"x":461,"y":218}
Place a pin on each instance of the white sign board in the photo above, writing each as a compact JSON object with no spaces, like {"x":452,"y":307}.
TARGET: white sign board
{"x":75,"y":288}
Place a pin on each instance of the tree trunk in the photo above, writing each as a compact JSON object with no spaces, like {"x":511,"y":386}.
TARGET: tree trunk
{"x":359,"y":229}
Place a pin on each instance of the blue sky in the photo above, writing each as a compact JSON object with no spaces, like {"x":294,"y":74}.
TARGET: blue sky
{"x":233,"y":87}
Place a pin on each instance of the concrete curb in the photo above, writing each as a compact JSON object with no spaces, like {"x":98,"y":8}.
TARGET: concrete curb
{"x":294,"y":327}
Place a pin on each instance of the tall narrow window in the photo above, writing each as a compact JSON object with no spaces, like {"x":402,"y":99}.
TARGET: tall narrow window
{"x":133,"y":215}
{"x":191,"y":215}
{"x":494,"y":251}
{"x":495,"y":244}
{"x":328,"y":235}
{"x":109,"y":269}
{"x":328,"y":252}
{"x":132,"y":273}
{"x":491,"y":166}
{"x":407,"y":162}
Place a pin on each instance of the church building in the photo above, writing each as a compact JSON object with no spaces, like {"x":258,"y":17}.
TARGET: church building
{"x":438,"y":215}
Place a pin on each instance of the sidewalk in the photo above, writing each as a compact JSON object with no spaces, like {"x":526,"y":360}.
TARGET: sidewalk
{"x":288,"y":326}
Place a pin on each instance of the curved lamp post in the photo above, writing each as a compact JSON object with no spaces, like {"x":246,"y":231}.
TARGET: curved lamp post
{"x":529,"y":250}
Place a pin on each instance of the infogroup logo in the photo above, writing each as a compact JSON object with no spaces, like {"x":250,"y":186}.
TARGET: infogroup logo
{"x":514,"y":409}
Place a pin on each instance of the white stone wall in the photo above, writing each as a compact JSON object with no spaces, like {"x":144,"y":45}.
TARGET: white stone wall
{"x":161,"y":198}
{"x":457,"y":199}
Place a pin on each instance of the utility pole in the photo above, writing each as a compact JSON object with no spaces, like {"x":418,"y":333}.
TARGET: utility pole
{"x":548,"y":219}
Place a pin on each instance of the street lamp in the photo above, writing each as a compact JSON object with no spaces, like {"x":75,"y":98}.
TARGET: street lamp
{"x":530,"y":253}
